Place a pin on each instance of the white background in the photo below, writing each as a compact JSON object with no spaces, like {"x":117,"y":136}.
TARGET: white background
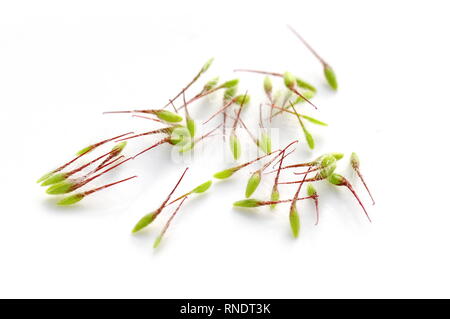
{"x":62,"y":63}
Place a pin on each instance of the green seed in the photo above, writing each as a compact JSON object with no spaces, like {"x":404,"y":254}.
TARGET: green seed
{"x":180,"y":136}
{"x":229,"y":93}
{"x":274,"y":197}
{"x":118,"y":148}
{"x":168,"y":116}
{"x":327,"y":171}
{"x":305,"y":85}
{"x":311,"y":190}
{"x":336,"y":179}
{"x":44,"y":177}
{"x":327,"y":160}
{"x":157,"y":241}
{"x":313,"y":120}
{"x":268,"y":85}
{"x":190,"y":124}
{"x":294,"y":220}
{"x":354,"y":160}
{"x":60,"y":188}
{"x":187,"y":147}
{"x":85,"y":150}
{"x":247,"y":203}
{"x":252,"y":184}
{"x":309,"y":138}
{"x":211,"y":84}
{"x":54,"y":179}
{"x":224,"y":174}
{"x":144,"y":222}
{"x":230,"y":84}
{"x":265,"y":143}
{"x":207,"y":65}
{"x":242,"y":99}
{"x":331,"y":77}
{"x":202,"y":188}
{"x":289,"y":80}
{"x":235,"y":146}
{"x":70,"y":200}
{"x":338,"y":156}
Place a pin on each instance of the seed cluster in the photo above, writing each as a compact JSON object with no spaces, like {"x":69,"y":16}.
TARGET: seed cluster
{"x":180,"y":132}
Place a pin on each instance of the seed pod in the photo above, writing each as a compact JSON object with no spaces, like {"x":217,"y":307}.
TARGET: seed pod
{"x":268,"y":86}
{"x":309,"y":138}
{"x":168,"y":116}
{"x":265,"y":143}
{"x":144,"y":221}
{"x":289,"y":80}
{"x":242,"y":99}
{"x":63,"y":187}
{"x":224,"y":174}
{"x":230,"y":83}
{"x":44,"y":177}
{"x":229,"y":93}
{"x":70,"y":200}
{"x":274,"y":197}
{"x":211,"y":84}
{"x":207,"y":65}
{"x":305,"y":85}
{"x":190,"y":124}
{"x":85,"y":150}
{"x":247,"y":203}
{"x":294,"y":220}
{"x":118,"y":148}
{"x":313,"y":120}
{"x":56,"y":178}
{"x":311,"y":190}
{"x":330,"y":76}
{"x":307,"y":94}
{"x":180,"y":136}
{"x":253,"y":183}
{"x":326,"y":171}
{"x":202,"y":188}
{"x":354,"y":160}
{"x":327,"y":160}
{"x":235,"y":146}
{"x":338,"y":156}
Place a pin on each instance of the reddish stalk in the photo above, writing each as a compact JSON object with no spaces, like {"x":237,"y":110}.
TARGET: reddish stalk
{"x":88,"y":180}
{"x":221,"y":110}
{"x":308,"y":46}
{"x":364,"y":183}
{"x":346,"y":183}
{"x":265,"y":203}
{"x":76,"y":170}
{"x":166,"y":226}
{"x":159,"y":210}
{"x":200,"y":95}
{"x":298,"y":191}
{"x":165,"y":140}
{"x":173,"y":106}
{"x":92,"y":147}
{"x":259,"y":72}
{"x":239,"y":113}
{"x":148,"y":118}
{"x":279,"y":161}
{"x":89,"y":192}
{"x":197,"y":76}
{"x":313,"y":179}
{"x":166,"y":130}
{"x":293,"y":89}
{"x":103,"y":165}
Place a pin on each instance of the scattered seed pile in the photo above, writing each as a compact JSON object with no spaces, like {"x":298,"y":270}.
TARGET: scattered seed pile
{"x":180,"y":132}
